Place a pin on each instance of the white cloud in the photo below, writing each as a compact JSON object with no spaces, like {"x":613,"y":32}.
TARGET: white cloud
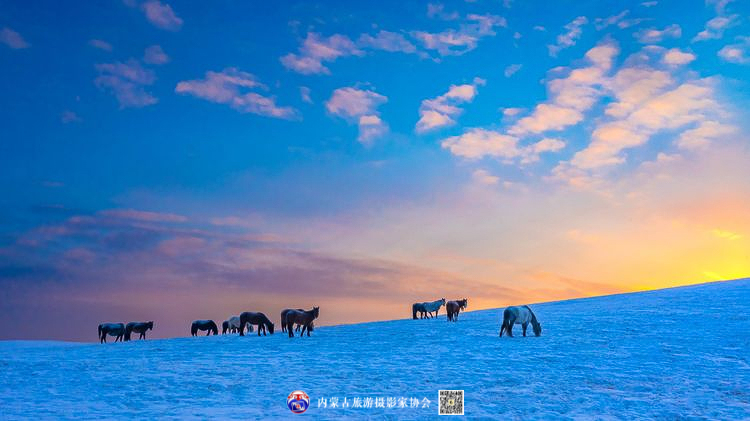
{"x":463,"y":40}
{"x":485,"y":177}
{"x":703,"y":134}
{"x":442,"y":110}
{"x":127,"y":82}
{"x":677,"y":57}
{"x":101,"y":45}
{"x":13,"y":39}
{"x":570,"y":37}
{"x":316,"y":50}
{"x":738,"y":53}
{"x":602,"y":23}
{"x":437,"y":10}
{"x":570,"y":96}
{"x":387,"y":41}
{"x":161,"y":15}
{"x":359,"y":106}
{"x":480,"y":143}
{"x":304,"y":93}
{"x":512,"y":69}
{"x":155,"y":55}
{"x":715,"y":27}
{"x":231,"y":86}
{"x":653,"y":35}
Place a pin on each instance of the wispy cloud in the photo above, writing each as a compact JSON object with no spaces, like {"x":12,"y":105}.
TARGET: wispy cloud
{"x":359,"y":106}
{"x":127,"y":81}
{"x":715,"y":27}
{"x":101,"y":45}
{"x":68,"y":116}
{"x":653,"y":35}
{"x":316,"y":50}
{"x":13,"y":39}
{"x":482,"y":176}
{"x":161,"y":15}
{"x":569,"y":37}
{"x":230,"y":87}
{"x":677,"y":57}
{"x":462,"y":40}
{"x":442,"y":110}
{"x":738,"y":53}
{"x":387,"y":41}
{"x":155,"y":55}
{"x":512,"y":69}
{"x":437,"y":11}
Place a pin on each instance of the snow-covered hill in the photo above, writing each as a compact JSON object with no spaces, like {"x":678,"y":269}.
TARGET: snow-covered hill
{"x":667,"y":354}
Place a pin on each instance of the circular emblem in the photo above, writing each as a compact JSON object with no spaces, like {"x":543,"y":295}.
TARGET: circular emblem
{"x":298,"y":401}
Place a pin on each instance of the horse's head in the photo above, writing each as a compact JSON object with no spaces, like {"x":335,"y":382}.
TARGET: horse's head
{"x":442,"y":300}
{"x":537,"y":328}
{"x":464,"y":303}
{"x":270,"y":328}
{"x":150,"y":325}
{"x":316,"y":312}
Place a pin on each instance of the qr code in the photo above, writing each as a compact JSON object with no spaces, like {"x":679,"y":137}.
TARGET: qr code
{"x":451,"y":402}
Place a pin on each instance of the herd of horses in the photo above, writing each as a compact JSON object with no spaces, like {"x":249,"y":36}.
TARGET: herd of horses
{"x":295,"y":319}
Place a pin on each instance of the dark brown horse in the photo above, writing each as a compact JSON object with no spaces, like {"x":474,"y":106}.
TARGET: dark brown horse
{"x":283,"y":317}
{"x":303,"y":318}
{"x":112,"y":329}
{"x":208,"y":325}
{"x":258,"y":319}
{"x":138,"y":327}
{"x":454,"y":307}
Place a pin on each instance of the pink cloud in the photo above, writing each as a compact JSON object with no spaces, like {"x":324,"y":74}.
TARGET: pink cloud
{"x":161,"y":15}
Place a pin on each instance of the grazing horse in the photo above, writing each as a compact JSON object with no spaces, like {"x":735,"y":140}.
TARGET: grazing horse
{"x":302,"y":318}
{"x":454,"y":307}
{"x":232,"y":325}
{"x":138,"y":327}
{"x":519,"y":316}
{"x":208,"y":325}
{"x":418,"y":308}
{"x":433,"y":306}
{"x":112,"y":329}
{"x":258,"y":319}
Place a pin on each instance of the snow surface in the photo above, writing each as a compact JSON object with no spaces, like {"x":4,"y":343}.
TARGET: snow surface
{"x":668,"y":354}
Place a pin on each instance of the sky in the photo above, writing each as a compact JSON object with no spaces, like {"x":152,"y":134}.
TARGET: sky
{"x":173,"y":161}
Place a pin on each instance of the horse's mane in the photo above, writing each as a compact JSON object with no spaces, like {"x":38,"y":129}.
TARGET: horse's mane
{"x":533,"y":316}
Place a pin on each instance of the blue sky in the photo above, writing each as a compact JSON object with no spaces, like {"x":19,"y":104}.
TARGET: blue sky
{"x":483,"y":144}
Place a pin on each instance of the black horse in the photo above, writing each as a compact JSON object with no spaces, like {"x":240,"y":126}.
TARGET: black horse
{"x":208,"y":325}
{"x":138,"y":327}
{"x":112,"y":329}
{"x":258,"y":319}
{"x":302,"y":318}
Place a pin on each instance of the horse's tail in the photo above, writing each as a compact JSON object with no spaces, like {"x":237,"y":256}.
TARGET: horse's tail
{"x":128,"y":330}
{"x":506,"y":321}
{"x":414,"y":311}
{"x":99,"y":329}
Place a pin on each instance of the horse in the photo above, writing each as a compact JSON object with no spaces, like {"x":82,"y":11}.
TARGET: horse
{"x":283,"y":317}
{"x":112,"y":329}
{"x":303,"y":318}
{"x":417,"y":307}
{"x":208,"y":325}
{"x":259,"y":319}
{"x":138,"y":327}
{"x":520,"y":316}
{"x":454,"y":307}
{"x":232,"y":325}
{"x":433,"y":306}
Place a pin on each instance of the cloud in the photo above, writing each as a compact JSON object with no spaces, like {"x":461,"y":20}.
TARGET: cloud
{"x":602,"y":23}
{"x":387,"y":41}
{"x":571,"y":95}
{"x":437,"y":10}
{"x":484,"y":177}
{"x":359,"y":106}
{"x":715,"y":27}
{"x":479,"y":143}
{"x":738,"y":53}
{"x":304,"y":93}
{"x":570,"y":37}
{"x":101,"y":45}
{"x":729,"y":235}
{"x":677,"y":57}
{"x":649,"y":3}
{"x":127,"y":82}
{"x":442,"y":110}
{"x":230,"y":87}
{"x":161,"y":15}
{"x":316,"y":50}
{"x":458,"y":42}
{"x":512,"y":69}
{"x":719,"y":5}
{"x":13,"y":39}
{"x":703,"y":134}
{"x":155,"y":55}
{"x":653,"y":35}
{"x":139,"y":215}
{"x":68,"y":116}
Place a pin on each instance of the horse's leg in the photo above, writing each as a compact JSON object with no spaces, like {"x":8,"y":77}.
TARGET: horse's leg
{"x":208,"y":332}
{"x":290,"y":329}
{"x":525,"y":325}
{"x":308,"y":326}
{"x":511,"y":322}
